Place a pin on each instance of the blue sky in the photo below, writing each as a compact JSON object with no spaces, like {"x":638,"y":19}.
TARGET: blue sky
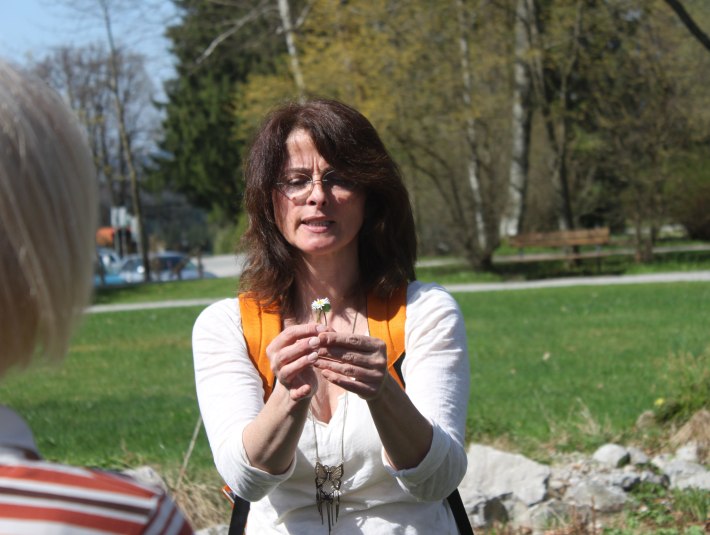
{"x":30,"y":28}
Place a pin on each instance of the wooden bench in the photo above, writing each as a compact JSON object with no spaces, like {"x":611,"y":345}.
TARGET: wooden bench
{"x":566,"y":239}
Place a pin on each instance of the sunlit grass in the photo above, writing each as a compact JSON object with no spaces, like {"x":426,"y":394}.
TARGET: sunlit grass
{"x":571,"y":367}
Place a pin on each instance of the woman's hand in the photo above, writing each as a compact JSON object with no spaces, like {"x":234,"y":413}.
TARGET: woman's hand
{"x":292,"y":355}
{"x":355,"y":362}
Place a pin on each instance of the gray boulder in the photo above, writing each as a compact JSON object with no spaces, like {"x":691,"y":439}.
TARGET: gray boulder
{"x":596,"y":495}
{"x":494,"y":473}
{"x":612,"y":455}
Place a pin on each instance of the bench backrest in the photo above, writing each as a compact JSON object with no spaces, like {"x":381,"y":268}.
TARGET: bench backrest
{"x":562,"y":238}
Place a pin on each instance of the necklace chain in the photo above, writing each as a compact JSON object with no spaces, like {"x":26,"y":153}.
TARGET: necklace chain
{"x":329,"y":478}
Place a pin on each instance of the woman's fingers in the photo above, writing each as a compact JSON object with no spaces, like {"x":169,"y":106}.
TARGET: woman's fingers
{"x":292,"y":343}
{"x":354,"y":349}
{"x":292,"y":354}
{"x":354,"y":362}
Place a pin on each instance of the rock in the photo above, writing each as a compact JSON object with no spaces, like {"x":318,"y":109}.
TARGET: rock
{"x":493,"y":473}
{"x":487,"y":511}
{"x":554,"y":514}
{"x":685,"y":473}
{"x":221,"y":529}
{"x":612,"y":455}
{"x":662,"y":460}
{"x":690,"y":453}
{"x":596,"y":495}
{"x":147,"y":476}
{"x":655,"y":479}
{"x":637,"y":456}
{"x":700,"y":481}
{"x":677,"y":470}
{"x":625,"y":480}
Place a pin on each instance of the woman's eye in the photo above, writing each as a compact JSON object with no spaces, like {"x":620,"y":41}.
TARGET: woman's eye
{"x":341,"y":182}
{"x":295,"y":182}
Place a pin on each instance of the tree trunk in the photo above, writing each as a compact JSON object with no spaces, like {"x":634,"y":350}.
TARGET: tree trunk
{"x":123,"y":135}
{"x":522,"y":116}
{"x":558,"y":134}
{"x":286,"y":22}
{"x":470,"y":128}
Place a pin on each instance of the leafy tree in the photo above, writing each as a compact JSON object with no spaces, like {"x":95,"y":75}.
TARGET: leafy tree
{"x":402,"y":65}
{"x":614,"y":93}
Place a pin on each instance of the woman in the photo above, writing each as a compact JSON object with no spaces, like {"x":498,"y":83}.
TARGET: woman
{"x":329,"y":217}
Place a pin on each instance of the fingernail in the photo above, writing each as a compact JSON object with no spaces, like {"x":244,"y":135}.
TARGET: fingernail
{"x":313,"y":357}
{"x":320,"y":328}
{"x":314,"y":342}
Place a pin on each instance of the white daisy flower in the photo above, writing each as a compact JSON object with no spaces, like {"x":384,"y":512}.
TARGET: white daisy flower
{"x":320,"y":307}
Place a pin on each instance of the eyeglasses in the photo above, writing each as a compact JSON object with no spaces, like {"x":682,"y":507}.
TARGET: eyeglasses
{"x":298,"y":186}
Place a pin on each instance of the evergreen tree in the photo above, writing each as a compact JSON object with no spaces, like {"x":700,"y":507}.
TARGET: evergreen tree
{"x":216,"y":45}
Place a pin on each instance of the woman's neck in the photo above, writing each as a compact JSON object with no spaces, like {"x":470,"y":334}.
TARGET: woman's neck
{"x":338,"y":281}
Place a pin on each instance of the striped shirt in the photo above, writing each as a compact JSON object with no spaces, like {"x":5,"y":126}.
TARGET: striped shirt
{"x":38,"y":497}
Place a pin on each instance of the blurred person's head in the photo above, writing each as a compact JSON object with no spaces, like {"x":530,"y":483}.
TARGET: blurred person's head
{"x":48,"y":213}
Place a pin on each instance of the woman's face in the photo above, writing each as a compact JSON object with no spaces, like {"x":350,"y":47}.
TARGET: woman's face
{"x":326,"y":220}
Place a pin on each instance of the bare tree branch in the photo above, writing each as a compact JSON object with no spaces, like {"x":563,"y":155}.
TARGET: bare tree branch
{"x":689,"y":23}
{"x":237,"y":25}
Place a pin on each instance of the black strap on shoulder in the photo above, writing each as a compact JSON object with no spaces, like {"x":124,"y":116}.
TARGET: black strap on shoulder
{"x":459,"y":512}
{"x":240,"y":512}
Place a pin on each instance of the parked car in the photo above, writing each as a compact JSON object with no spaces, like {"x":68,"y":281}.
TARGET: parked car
{"x":109,"y":257}
{"x":110,"y":277}
{"x":167,"y":266}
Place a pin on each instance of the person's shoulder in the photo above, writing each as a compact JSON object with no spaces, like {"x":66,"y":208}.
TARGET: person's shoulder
{"x":219,"y":311}
{"x":109,"y":502}
{"x":428,"y":293}
{"x":78,"y":478}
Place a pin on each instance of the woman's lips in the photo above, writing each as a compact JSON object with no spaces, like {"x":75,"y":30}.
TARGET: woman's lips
{"x":317,"y":224}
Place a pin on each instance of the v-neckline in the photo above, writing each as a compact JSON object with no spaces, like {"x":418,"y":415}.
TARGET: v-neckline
{"x":338,"y":410}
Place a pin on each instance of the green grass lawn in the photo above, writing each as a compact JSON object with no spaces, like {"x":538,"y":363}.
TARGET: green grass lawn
{"x":124,"y":395}
{"x":570,"y":367}
{"x":576,"y":366}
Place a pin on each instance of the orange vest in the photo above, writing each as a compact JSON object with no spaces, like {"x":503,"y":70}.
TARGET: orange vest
{"x":385,"y":320}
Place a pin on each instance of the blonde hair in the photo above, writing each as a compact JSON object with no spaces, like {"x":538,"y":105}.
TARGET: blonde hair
{"x":48,"y":214}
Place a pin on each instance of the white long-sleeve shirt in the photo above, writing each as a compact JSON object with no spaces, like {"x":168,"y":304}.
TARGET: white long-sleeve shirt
{"x":375,"y":497}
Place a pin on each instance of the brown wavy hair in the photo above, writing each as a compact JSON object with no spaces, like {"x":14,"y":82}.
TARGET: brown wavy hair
{"x":387,"y":245}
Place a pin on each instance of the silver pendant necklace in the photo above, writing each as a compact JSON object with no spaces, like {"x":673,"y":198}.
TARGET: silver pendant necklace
{"x":329,"y":478}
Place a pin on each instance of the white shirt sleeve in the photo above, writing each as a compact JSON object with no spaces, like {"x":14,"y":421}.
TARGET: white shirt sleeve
{"x":437,"y":380}
{"x":230,"y":394}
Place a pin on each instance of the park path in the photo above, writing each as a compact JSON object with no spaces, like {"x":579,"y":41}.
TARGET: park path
{"x":651,"y":278}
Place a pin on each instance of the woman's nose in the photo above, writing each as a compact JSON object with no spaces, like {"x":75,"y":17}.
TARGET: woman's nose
{"x":317,"y":195}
